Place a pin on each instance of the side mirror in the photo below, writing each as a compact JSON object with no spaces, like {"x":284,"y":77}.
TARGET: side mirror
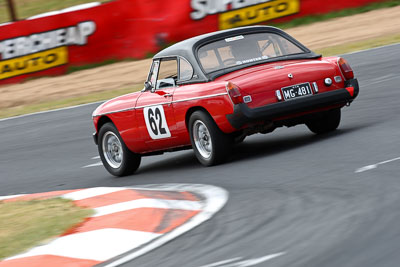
{"x":148,"y":86}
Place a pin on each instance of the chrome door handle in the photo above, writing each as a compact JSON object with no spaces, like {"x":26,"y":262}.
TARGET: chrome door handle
{"x":167,"y":95}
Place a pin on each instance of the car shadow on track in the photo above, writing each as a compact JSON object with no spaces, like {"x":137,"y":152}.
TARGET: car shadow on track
{"x":279,"y":144}
{"x":263,"y":145}
{"x":186,"y":160}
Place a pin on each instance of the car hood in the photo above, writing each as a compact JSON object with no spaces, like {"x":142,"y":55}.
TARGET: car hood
{"x":120,"y":103}
{"x":275,"y":75}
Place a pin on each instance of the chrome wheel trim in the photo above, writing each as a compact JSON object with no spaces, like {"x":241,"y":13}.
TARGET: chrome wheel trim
{"x":112,"y":150}
{"x":202,"y":139}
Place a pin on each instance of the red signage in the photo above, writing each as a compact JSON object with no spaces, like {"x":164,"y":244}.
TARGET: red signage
{"x":132,"y":29}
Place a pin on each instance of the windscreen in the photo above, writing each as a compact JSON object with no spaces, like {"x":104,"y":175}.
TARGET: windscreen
{"x":245,"y":49}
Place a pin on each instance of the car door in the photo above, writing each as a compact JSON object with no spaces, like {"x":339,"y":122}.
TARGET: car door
{"x":154,"y":110}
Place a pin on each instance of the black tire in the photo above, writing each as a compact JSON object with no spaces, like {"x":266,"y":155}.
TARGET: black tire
{"x":221,"y":144}
{"x":124,"y":163}
{"x":327,"y":121}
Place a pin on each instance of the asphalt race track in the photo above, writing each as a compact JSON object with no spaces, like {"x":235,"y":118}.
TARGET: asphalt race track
{"x":320,"y":200}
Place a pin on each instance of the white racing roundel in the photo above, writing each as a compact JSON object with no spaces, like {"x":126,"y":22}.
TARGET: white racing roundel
{"x":156,"y":122}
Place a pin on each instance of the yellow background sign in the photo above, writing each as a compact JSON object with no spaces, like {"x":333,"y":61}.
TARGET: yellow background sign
{"x":33,"y":62}
{"x":258,"y":13}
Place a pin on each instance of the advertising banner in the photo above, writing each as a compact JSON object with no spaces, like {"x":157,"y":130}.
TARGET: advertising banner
{"x":41,"y":51}
{"x":47,"y":46}
{"x":234,"y":14}
{"x":128,"y":29}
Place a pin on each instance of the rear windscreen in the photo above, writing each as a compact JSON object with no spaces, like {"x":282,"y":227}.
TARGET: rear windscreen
{"x":245,"y":49}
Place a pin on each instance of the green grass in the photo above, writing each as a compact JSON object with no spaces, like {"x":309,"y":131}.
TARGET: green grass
{"x":67,"y":102}
{"x":336,"y":14}
{"x":99,"y":96}
{"x":105,"y":95}
{"x":29,"y":223}
{"x":28,"y":8}
{"x":25,"y":224}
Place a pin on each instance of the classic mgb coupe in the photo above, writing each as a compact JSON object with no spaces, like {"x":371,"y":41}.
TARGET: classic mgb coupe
{"x":213,"y":90}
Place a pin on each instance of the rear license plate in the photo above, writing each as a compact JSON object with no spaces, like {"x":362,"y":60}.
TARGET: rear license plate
{"x":298,"y":90}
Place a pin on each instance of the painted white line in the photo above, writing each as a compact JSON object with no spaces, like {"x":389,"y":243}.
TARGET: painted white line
{"x":92,"y":192}
{"x":381,"y":79}
{"x":93,"y":165}
{"x":388,"y":161}
{"x":50,"y":111}
{"x":100,"y":102}
{"x":96,"y":157}
{"x":244,"y":263}
{"x":148,"y":203}
{"x":374,"y":166}
{"x":13,"y":196}
{"x":215,"y":199}
{"x":371,"y":49}
{"x":222,"y":262}
{"x":366,"y":168}
{"x":93,"y":245}
{"x":107,"y":244}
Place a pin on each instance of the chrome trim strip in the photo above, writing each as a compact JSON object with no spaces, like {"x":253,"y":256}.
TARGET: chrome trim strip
{"x":164,"y":103}
{"x":157,"y":104}
{"x":112,"y":112}
{"x":316,"y":89}
{"x":199,"y":97}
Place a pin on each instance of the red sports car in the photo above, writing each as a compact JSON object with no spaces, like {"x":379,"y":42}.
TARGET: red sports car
{"x":211,"y":91}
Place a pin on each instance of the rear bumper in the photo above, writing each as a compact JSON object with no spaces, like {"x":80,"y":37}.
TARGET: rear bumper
{"x":243,"y":114}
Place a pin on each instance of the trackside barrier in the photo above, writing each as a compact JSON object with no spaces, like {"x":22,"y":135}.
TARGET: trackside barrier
{"x":121,"y":29}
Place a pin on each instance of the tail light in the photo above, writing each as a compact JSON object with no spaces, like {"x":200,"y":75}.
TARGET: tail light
{"x":347,"y":71}
{"x":234,"y":93}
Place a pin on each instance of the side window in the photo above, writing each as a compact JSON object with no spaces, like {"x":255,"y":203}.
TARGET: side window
{"x":168,"y":73}
{"x":185,"y":70}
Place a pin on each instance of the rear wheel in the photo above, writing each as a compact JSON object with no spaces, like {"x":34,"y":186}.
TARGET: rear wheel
{"x":327,"y":121}
{"x":116,"y":157}
{"x":211,"y":146}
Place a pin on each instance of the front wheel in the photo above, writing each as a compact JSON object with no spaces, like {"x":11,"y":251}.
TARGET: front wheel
{"x":116,"y":157}
{"x":328,"y":121}
{"x":211,"y":146}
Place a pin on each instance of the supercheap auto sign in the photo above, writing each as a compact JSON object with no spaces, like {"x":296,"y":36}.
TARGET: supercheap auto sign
{"x":47,"y":46}
{"x":42,"y":50}
{"x":235,"y":13}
